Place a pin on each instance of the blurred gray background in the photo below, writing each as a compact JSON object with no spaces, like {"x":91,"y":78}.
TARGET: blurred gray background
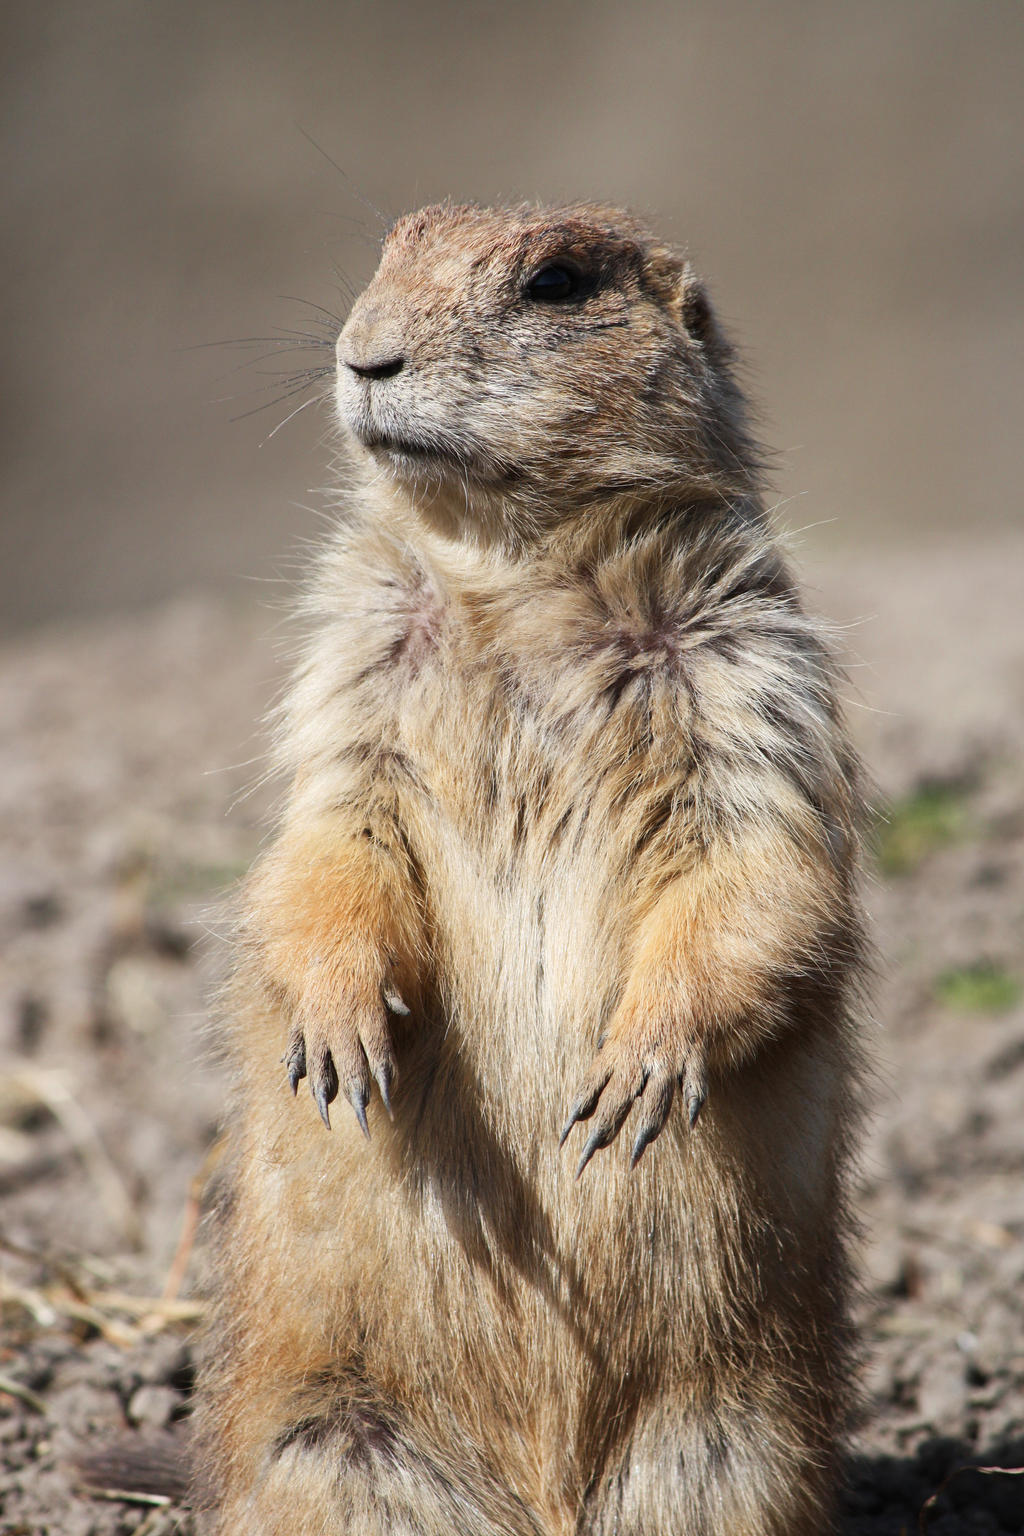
{"x":849,"y":176}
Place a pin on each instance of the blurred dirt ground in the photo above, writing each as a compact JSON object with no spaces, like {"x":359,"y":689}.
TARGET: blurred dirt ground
{"x":126,"y":750}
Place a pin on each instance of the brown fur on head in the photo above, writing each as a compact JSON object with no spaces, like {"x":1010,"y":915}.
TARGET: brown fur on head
{"x":486,"y":363}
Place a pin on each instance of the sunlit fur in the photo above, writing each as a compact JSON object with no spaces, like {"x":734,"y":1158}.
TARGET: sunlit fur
{"x":565,"y":768}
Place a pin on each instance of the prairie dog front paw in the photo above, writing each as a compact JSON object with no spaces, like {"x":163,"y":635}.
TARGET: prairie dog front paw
{"x":640,"y":1063}
{"x":341,"y":1041}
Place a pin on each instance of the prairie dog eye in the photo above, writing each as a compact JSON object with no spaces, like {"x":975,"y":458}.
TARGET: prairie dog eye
{"x":553,"y":283}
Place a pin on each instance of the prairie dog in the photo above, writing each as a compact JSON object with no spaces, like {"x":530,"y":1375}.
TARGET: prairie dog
{"x":569,"y":850}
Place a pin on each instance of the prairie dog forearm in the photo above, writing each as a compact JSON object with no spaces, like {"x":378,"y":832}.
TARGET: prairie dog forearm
{"x":325,"y":896}
{"x":718,"y":947}
{"x":337,"y":933}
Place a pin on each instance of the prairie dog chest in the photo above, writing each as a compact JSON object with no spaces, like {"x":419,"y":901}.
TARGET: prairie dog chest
{"x":532,"y":728}
{"x":542,"y":670}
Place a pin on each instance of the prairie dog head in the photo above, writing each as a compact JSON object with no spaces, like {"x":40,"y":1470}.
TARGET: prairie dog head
{"x":507,"y":368}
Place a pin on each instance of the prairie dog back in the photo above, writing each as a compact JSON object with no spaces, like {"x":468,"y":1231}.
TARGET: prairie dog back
{"x":569,"y":850}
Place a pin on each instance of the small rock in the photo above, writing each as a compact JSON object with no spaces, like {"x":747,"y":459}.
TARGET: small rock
{"x":997,"y":1333}
{"x":166,"y":1362}
{"x":154,"y":1406}
{"x":84,"y":1409}
{"x":942,"y":1392}
{"x":884,"y":1264}
{"x":880,"y":1374}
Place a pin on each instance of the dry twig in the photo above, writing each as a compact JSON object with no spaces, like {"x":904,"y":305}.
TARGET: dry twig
{"x":190,"y":1221}
{"x":22,"y":1393}
{"x":933,"y":1498}
{"x":50,"y":1089}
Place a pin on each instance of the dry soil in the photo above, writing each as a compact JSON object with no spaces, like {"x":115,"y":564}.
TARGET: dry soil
{"x":128,"y":752}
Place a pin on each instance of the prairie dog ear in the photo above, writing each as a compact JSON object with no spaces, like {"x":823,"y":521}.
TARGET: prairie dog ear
{"x":697,"y":314}
{"x":664,"y":273}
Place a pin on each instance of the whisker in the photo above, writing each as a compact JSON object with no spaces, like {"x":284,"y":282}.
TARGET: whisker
{"x":289,"y":382}
{"x":283,"y":376}
{"x":385,"y":222}
{"x":313,"y":399}
{"x":284,"y":338}
{"x":328,"y":314}
{"x":269,"y":404}
{"x":317,"y":371}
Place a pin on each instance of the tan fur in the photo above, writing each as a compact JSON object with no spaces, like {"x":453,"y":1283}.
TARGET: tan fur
{"x":570,"y":786}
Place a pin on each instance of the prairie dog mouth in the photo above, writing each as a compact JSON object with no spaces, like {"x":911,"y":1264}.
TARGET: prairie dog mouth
{"x":405,"y":447}
{"x":378,"y":426}
{"x":412,"y":450}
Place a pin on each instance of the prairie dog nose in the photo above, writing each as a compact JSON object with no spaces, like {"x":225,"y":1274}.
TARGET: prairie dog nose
{"x":375,"y":368}
{"x":369,"y":347}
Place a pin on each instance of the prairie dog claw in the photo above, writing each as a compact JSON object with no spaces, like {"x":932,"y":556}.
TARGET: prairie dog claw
{"x":294,"y":1059}
{"x":621,"y":1076}
{"x":347,"y":1054}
